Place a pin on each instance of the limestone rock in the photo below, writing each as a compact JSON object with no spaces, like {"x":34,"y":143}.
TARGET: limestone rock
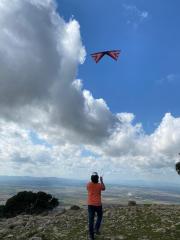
{"x":75,"y":207}
{"x":35,"y":238}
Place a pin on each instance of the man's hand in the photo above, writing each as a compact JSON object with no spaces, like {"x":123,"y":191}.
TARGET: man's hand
{"x":103,"y":186}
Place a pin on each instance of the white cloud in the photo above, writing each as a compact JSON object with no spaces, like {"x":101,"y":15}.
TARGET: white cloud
{"x":169,"y":79}
{"x":40,"y":54}
{"x":39,"y":58}
{"x":134,"y":15}
{"x":128,"y":149}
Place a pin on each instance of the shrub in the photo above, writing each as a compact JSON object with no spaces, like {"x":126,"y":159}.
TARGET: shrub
{"x":29,"y":203}
{"x":132,"y":203}
{"x":1,"y":210}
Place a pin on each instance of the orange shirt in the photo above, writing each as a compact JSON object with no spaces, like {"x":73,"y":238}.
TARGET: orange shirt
{"x":94,"y":193}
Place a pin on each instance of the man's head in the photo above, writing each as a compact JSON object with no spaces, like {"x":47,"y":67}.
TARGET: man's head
{"x":94,"y":177}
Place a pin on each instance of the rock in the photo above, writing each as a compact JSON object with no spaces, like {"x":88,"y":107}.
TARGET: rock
{"x":60,"y":212}
{"x":16,"y":224}
{"x":3,"y":231}
{"x":35,"y":238}
{"x":107,"y":213}
{"x":160,"y":230}
{"x":75,"y":207}
{"x":10,"y":236}
{"x":120,"y":237}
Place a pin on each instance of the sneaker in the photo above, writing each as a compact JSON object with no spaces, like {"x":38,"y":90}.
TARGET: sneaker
{"x":97,"y":232}
{"x":90,"y":238}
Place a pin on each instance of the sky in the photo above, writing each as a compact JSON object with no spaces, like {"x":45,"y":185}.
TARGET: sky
{"x":63,"y":115}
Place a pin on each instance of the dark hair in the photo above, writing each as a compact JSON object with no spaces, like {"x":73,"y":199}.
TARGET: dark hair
{"x":95,"y":178}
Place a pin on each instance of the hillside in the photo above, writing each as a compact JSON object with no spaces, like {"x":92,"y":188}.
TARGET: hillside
{"x":142,"y":222}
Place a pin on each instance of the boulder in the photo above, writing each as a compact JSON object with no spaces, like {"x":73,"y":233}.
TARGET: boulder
{"x":75,"y":207}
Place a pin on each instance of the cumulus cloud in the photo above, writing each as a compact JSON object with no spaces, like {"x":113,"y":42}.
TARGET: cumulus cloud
{"x":21,"y":155}
{"x":39,"y":58}
{"x":163,"y":141}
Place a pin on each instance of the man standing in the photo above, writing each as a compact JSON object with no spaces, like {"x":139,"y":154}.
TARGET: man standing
{"x":94,"y":203}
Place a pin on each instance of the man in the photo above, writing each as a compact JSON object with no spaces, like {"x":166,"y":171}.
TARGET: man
{"x":94,"y":203}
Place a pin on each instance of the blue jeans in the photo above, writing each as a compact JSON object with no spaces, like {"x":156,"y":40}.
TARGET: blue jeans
{"x":91,"y":212}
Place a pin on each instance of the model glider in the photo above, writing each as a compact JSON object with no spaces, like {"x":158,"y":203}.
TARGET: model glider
{"x":112,"y":53}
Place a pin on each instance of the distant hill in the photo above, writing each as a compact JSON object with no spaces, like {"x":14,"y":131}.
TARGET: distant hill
{"x":73,"y":191}
{"x":57,"y":182}
{"x":39,"y":181}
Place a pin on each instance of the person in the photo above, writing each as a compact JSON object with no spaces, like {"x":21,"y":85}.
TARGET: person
{"x":94,"y":189}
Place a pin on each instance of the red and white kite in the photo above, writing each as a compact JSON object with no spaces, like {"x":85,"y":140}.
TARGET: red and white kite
{"x":113,"y":53}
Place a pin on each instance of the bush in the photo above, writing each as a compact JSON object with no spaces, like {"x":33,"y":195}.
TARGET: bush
{"x":29,"y":203}
{"x":132,"y":203}
{"x":1,"y":210}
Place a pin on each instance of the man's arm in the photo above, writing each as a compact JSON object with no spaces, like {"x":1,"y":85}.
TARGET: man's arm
{"x":102,"y":184}
{"x":87,"y":187}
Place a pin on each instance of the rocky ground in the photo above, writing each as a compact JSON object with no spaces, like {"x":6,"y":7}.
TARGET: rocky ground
{"x":149,"y":222}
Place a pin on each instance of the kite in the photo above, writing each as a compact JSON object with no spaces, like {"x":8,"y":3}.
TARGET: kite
{"x":112,"y":53}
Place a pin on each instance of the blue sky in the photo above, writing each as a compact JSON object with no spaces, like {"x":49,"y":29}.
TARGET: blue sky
{"x":138,"y":82}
